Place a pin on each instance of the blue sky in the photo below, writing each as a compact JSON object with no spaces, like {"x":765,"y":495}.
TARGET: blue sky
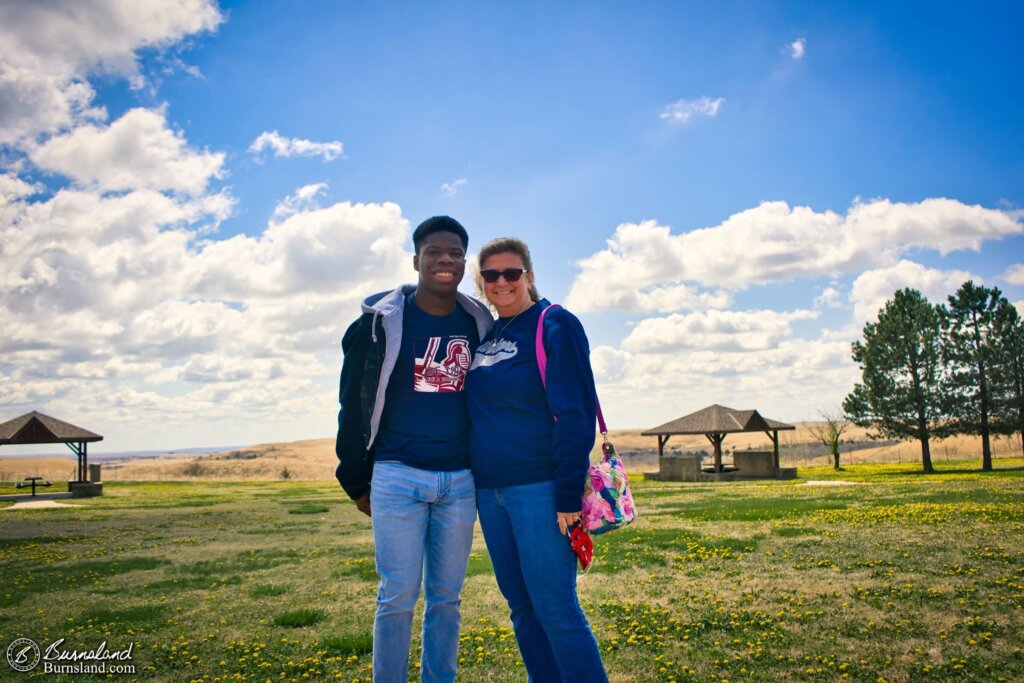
{"x":196,"y":196}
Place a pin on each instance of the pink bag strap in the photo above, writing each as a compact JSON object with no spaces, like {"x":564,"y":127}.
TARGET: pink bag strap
{"x":542,"y":364}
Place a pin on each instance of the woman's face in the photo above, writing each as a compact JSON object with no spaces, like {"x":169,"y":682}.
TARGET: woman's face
{"x":508,"y":298}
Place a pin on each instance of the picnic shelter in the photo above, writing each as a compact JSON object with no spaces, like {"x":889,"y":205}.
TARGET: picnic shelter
{"x":715,"y":422}
{"x":37,"y":428}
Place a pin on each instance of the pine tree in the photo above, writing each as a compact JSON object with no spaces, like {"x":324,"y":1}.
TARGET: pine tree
{"x":970,"y":351}
{"x":1008,"y":375}
{"x":900,"y":361}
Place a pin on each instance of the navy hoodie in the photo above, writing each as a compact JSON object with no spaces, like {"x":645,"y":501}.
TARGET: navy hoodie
{"x":515,"y":437}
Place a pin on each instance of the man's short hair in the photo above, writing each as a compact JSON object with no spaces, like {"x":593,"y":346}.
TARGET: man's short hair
{"x":438,"y":224}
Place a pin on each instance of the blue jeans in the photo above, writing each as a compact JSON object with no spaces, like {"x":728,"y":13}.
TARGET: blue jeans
{"x":422,"y":525}
{"x":536,"y":572}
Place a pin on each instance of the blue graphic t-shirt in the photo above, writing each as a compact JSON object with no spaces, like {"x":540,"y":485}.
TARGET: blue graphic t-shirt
{"x":425,"y":423}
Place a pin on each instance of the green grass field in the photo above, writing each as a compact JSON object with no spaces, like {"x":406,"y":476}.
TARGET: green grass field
{"x":896,"y":576}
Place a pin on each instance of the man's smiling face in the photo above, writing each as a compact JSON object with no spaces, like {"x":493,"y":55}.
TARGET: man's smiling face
{"x":441,"y":263}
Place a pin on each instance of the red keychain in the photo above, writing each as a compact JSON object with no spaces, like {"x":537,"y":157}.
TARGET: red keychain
{"x":582,"y":545}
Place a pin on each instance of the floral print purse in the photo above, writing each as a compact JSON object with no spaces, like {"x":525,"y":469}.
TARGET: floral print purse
{"x":607,"y":501}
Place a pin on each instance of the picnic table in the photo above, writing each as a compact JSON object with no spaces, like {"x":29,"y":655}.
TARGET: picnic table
{"x":33,"y":482}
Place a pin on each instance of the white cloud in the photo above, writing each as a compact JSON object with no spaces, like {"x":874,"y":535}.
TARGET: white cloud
{"x":1015,"y":274}
{"x":662,"y":298}
{"x":830,"y":297}
{"x":32,"y":103}
{"x":717,"y":330}
{"x":323,"y":254}
{"x":138,"y":151}
{"x":47,"y":49}
{"x":776,"y":243}
{"x":797,"y":48}
{"x":13,"y":188}
{"x":674,"y":297}
{"x":610,"y":365}
{"x":304,"y":199}
{"x":452,"y":188}
{"x":117,"y":309}
{"x":105,"y":259}
{"x":118,"y":305}
{"x":642,"y":272}
{"x":683,"y":111}
{"x":873,"y":288}
{"x":646,"y":388}
{"x":289,"y":147}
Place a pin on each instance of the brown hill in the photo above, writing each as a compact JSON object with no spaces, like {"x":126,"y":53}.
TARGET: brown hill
{"x":55,"y":469}
{"x":314,"y":459}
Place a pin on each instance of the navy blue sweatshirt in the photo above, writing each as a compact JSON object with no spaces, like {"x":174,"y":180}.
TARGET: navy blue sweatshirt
{"x":515,"y":438}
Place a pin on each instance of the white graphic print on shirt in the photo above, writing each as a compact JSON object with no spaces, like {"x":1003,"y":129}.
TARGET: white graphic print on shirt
{"x":445,"y":376}
{"x":493,"y":353}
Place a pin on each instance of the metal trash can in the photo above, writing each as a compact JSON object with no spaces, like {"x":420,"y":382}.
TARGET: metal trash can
{"x":94,"y":473}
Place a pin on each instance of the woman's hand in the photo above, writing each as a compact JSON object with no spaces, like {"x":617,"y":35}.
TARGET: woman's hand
{"x":566,"y":520}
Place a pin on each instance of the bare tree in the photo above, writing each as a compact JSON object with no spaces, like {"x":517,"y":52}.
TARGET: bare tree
{"x":830,"y":430}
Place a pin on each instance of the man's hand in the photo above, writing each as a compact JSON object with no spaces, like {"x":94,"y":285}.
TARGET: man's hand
{"x":363,"y":504}
{"x":566,"y":520}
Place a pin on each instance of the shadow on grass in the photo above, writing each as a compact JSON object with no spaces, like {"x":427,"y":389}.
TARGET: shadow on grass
{"x":793,"y":531}
{"x":136,"y":616}
{"x":939,"y":472}
{"x":747,"y":508}
{"x":75,"y":574}
{"x":244,"y":562}
{"x":19,"y":544}
{"x":365,"y":568}
{"x":638,"y":548}
{"x":308,"y":509}
{"x":192,"y":583}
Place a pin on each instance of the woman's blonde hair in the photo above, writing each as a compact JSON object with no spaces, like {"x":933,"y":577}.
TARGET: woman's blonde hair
{"x":506,"y":245}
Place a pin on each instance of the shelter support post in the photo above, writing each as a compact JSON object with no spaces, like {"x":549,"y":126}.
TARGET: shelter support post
{"x":774,"y":436}
{"x":79,"y":449}
{"x":716,"y":443}
{"x":662,"y":440}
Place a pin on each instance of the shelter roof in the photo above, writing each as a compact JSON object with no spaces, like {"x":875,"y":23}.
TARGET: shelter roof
{"x":716,"y":419}
{"x":35,"y":427}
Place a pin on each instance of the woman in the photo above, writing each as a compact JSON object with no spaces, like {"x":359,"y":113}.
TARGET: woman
{"x":530,"y":450}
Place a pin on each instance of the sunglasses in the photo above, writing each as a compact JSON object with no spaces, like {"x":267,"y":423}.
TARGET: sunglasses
{"x":510,"y":274}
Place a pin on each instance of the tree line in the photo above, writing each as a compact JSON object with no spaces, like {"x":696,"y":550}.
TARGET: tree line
{"x":937,"y":370}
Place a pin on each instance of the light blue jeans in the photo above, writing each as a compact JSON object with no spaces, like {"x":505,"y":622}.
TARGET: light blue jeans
{"x":536,"y":572}
{"x":422,"y":532}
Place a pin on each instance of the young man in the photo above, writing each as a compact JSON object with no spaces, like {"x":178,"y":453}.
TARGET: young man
{"x":403,"y":447}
